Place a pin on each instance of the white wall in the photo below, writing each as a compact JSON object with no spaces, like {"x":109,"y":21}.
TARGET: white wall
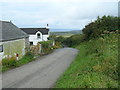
{"x":35,"y":40}
{"x":45,"y":37}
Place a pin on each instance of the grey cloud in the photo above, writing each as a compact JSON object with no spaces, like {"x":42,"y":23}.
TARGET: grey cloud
{"x":58,"y":15}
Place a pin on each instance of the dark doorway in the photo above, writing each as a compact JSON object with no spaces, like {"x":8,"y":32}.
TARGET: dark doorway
{"x":31,"y":43}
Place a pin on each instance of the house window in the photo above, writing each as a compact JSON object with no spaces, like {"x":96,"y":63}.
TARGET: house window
{"x":1,"y":48}
{"x":31,"y":43}
{"x":38,"y":35}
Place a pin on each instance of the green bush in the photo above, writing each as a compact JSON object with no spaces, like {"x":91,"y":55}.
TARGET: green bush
{"x":9,"y":62}
{"x":101,"y":25}
{"x":59,"y":39}
{"x":47,"y":46}
{"x":12,"y":63}
{"x":30,"y":54}
{"x":5,"y":62}
{"x":74,"y":40}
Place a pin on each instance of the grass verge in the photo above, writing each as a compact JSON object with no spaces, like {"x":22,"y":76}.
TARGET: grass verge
{"x":96,"y":65}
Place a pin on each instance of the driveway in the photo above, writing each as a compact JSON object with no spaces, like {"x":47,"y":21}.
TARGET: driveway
{"x":41,"y":73}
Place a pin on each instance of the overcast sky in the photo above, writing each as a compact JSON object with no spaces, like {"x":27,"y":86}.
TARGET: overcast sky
{"x":60,"y":14}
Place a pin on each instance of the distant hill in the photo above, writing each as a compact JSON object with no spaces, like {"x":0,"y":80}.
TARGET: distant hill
{"x":66,"y":33}
{"x":76,"y":32}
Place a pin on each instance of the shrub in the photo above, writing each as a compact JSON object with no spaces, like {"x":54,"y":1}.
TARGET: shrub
{"x":55,"y":47}
{"x":35,"y":49}
{"x":9,"y":62}
{"x":4,"y":62}
{"x":30,"y":54}
{"x":12,"y":63}
{"x":74,"y":40}
{"x":59,"y":39}
{"x":58,"y":45}
{"x":101,"y":25}
{"x":46,"y":44}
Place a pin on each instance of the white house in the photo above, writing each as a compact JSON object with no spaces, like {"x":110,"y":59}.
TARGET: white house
{"x":37,"y":34}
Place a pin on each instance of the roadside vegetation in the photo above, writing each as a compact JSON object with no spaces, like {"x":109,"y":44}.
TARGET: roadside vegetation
{"x":96,"y":65}
{"x":31,"y":55}
{"x":48,"y":47}
{"x":10,"y":63}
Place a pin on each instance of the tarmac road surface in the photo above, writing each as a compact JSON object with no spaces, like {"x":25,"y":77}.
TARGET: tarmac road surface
{"x":41,"y":73}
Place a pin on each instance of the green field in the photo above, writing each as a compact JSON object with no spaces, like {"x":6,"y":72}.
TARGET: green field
{"x":67,"y":33}
{"x":96,"y":65}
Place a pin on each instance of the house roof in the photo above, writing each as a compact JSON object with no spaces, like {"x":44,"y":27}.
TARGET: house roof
{"x":44,"y":31}
{"x":10,"y":32}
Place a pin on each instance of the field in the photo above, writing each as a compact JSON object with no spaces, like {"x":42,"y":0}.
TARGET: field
{"x":96,"y":65}
{"x":67,"y":33}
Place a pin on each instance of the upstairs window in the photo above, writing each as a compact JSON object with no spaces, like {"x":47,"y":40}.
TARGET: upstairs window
{"x":38,"y":35}
{"x":1,"y":48}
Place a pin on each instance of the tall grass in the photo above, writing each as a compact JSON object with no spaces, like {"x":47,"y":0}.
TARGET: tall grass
{"x":96,"y":65}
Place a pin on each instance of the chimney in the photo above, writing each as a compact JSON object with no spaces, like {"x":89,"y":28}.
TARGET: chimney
{"x":47,"y":27}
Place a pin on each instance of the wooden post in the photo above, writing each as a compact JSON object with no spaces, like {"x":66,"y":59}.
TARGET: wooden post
{"x":40,"y":48}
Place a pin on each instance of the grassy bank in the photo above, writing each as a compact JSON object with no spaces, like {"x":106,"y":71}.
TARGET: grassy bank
{"x":96,"y":65}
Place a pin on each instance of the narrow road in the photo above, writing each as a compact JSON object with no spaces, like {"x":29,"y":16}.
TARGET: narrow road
{"x":41,"y":73}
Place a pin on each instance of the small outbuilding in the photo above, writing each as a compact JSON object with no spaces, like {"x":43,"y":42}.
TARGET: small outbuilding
{"x":13,"y":41}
